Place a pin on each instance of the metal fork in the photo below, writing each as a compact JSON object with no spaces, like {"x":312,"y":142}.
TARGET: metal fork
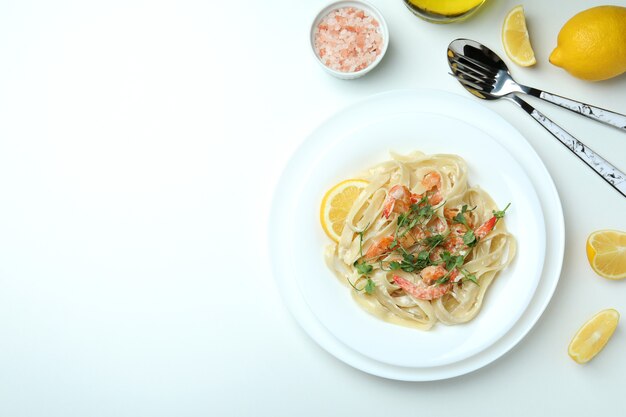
{"x":481,"y":80}
{"x":494,"y":72}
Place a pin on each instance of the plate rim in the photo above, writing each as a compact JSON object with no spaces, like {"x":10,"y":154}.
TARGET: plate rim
{"x":316,"y":329}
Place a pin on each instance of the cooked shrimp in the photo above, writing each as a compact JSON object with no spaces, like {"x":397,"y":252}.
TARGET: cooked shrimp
{"x":421,"y":290}
{"x":398,"y":200}
{"x":379,"y":247}
{"x":383,"y":244}
{"x":435,"y":199}
{"x":455,"y":244}
{"x":432,"y":273}
{"x":457,"y":229}
{"x":432,"y":183}
{"x":485,"y":228}
{"x":432,"y":180}
{"x":412,"y":237}
{"x":436,"y":225}
{"x":450,"y":213}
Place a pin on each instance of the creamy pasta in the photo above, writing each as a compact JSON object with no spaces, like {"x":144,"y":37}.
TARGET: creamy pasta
{"x":419,"y":245}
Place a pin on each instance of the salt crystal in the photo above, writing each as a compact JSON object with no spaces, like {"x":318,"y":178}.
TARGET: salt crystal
{"x":349,"y":39}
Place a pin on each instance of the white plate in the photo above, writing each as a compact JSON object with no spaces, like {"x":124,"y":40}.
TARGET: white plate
{"x":352,"y":149}
{"x":358,"y":137}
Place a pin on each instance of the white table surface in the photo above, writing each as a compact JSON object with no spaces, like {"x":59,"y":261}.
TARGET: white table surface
{"x":140,"y":143}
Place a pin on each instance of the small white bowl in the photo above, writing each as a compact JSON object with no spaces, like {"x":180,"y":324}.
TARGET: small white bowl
{"x":372,"y":11}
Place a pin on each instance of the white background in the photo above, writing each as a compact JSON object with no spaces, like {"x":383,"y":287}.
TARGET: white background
{"x":140,"y":142}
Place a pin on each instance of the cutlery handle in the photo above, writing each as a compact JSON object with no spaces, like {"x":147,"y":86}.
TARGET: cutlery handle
{"x":603,"y":168}
{"x":596,"y":113}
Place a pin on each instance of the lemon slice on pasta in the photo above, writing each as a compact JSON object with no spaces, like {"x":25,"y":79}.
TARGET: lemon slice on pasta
{"x":336,"y":205}
{"x":593,"y":335}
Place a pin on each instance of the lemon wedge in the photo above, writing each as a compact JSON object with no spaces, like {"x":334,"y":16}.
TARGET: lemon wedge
{"x":593,"y":336}
{"x":515,"y":38}
{"x":606,"y":252}
{"x":336,"y":205}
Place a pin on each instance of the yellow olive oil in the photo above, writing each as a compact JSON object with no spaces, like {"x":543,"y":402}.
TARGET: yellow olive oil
{"x":443,"y":11}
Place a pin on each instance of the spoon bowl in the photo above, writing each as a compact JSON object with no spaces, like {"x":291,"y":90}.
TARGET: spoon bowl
{"x":485,"y":73}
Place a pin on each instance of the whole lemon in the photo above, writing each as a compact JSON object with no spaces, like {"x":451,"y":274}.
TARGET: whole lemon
{"x":592,"y":44}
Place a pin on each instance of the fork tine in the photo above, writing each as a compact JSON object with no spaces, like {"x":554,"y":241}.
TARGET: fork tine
{"x":472,"y":84}
{"x":485,"y":80}
{"x":469,"y":68}
{"x":470,"y":65}
{"x":479,"y":64}
{"x":471,"y":72}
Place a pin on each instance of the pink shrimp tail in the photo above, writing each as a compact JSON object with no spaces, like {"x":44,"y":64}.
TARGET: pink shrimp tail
{"x":388,"y":208}
{"x":486,"y":227}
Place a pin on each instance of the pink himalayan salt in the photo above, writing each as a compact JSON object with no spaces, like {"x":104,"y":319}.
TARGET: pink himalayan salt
{"x":348,"y":39}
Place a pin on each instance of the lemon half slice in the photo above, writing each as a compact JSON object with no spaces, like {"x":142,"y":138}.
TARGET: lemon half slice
{"x":337,"y":203}
{"x":593,"y":336}
{"x":606,"y":251}
{"x":516,"y":40}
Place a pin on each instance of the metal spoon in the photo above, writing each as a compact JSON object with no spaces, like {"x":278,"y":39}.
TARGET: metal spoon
{"x":496,"y":72}
{"x":474,"y":66}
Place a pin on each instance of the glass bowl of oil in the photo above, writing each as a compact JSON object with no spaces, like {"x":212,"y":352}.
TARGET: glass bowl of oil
{"x":443,"y":11}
